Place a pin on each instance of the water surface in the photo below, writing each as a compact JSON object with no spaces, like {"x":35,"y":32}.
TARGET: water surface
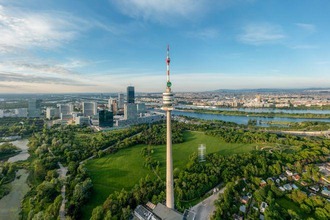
{"x":10,"y":205}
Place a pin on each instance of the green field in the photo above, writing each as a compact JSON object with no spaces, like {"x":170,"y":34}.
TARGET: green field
{"x":125,"y":168}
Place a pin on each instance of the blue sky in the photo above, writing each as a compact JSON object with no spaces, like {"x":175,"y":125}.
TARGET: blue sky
{"x":105,"y":45}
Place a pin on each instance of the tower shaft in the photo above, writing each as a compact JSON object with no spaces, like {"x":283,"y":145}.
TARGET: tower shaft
{"x":168,"y":107}
{"x":169,"y":163}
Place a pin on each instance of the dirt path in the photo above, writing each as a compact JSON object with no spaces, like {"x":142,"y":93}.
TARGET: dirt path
{"x":11,"y":203}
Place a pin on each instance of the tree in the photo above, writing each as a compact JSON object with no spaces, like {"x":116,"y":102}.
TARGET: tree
{"x":305,"y":208}
{"x":97,"y":213}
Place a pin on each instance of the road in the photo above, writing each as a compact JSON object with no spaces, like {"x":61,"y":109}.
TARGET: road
{"x":205,"y":209}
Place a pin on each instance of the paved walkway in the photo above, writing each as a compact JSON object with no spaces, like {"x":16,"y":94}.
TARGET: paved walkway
{"x":62,"y":172}
{"x":204,"y":210}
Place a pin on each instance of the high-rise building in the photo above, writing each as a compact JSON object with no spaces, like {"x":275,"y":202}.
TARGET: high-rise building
{"x":141,"y":108}
{"x":120,"y":101}
{"x":89,"y":108}
{"x":113,"y":105}
{"x":65,"y":109}
{"x":105,"y":118}
{"x":168,"y":107}
{"x":130,"y":111}
{"x":34,"y":108}
{"x":109,"y":104}
{"x":130,"y":94}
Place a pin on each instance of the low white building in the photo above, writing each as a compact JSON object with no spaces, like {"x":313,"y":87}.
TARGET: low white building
{"x":81,"y":120}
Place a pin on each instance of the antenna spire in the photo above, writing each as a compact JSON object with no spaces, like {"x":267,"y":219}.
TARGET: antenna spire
{"x":168,"y":60}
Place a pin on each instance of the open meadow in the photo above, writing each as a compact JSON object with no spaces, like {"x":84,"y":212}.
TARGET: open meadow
{"x":125,"y":168}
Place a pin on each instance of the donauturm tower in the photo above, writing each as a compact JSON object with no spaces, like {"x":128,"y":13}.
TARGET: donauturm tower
{"x":168,"y":107}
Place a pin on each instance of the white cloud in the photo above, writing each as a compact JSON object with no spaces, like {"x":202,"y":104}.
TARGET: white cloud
{"x":306,"y":27}
{"x":168,"y":11}
{"x":206,"y":33}
{"x":261,"y":33}
{"x":163,"y":11}
{"x":21,"y":29}
{"x":155,"y":82}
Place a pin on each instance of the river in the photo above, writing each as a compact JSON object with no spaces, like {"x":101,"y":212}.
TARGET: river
{"x":23,"y":155}
{"x":242,"y":119}
{"x":11,"y":203}
{"x":259,"y":110}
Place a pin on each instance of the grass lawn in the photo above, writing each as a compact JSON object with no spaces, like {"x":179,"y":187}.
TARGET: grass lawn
{"x":125,"y":168}
{"x":288,"y":204}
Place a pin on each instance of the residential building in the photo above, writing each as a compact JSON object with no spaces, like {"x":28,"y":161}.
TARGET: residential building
{"x":263,"y":207}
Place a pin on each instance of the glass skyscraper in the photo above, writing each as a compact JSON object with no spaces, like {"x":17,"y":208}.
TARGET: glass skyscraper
{"x":130,"y":94}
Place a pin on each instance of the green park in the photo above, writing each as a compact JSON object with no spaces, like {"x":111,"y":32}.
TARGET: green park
{"x":124,"y":169}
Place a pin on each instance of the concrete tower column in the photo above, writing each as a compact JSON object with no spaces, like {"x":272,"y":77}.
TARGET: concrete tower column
{"x":168,"y":107}
{"x":169,"y":163}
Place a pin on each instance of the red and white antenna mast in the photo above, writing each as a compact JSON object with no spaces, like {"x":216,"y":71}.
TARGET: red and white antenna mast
{"x":168,"y":60}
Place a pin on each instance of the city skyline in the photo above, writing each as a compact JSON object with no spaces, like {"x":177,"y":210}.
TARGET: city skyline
{"x":62,"y":46}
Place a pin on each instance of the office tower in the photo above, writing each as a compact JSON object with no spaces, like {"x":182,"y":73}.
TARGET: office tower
{"x":89,"y":108}
{"x":105,"y":118}
{"x":130,"y":94}
{"x":120,"y":101}
{"x":168,"y":107}
{"x":130,"y":111}
{"x":34,"y":108}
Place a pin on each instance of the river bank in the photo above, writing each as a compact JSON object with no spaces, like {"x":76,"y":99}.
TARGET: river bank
{"x":244,"y":119}
{"x":259,"y":114}
{"x":23,"y":154}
